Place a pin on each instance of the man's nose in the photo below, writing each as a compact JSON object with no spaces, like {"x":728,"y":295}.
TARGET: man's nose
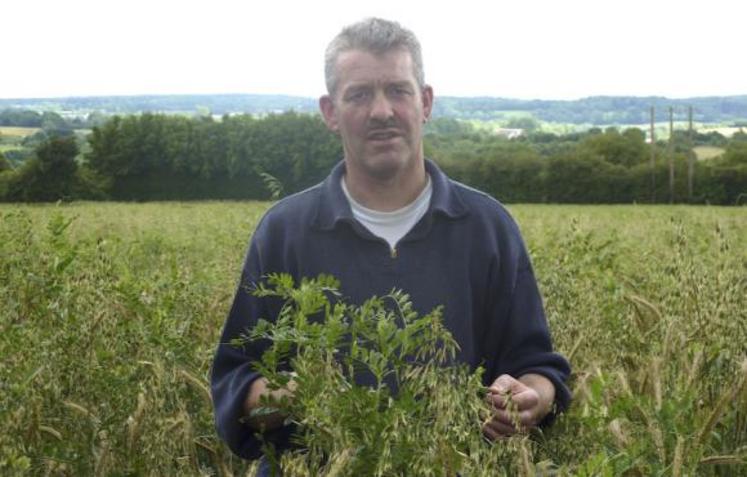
{"x":381,"y":107}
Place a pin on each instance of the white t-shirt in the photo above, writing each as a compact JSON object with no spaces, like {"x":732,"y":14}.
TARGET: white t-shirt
{"x":392,"y":226}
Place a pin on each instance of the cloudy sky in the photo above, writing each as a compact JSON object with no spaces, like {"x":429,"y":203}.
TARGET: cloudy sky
{"x":548,"y":49}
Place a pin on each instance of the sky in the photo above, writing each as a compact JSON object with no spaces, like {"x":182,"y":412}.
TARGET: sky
{"x":527,"y":49}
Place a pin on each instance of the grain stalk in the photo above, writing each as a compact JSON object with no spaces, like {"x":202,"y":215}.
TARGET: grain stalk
{"x":134,"y":423}
{"x":525,"y":459}
{"x":679,"y":450}
{"x":656,"y":381}
{"x":198,"y":384}
{"x":727,"y":397}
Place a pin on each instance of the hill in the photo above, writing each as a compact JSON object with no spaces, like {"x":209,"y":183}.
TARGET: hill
{"x":597,"y":110}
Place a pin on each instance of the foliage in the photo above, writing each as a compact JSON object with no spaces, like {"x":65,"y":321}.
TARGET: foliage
{"x":4,"y":163}
{"x":107,"y":329}
{"x":111,"y":314}
{"x":51,"y":175}
{"x":527,"y":123}
{"x":423,"y":413}
{"x":447,"y":126}
{"x":671,"y":390}
{"x":47,"y":120}
{"x":597,"y":110}
{"x":171,"y":157}
{"x":273,"y":185}
{"x":593,"y":167}
{"x":159,"y":157}
{"x":174,"y":103}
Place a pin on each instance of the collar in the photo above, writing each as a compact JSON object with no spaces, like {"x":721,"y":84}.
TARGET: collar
{"x":333,"y":206}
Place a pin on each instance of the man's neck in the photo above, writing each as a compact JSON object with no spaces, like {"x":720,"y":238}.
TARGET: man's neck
{"x":386,"y":195}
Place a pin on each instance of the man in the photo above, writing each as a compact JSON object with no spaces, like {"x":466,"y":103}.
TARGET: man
{"x":388,"y":218}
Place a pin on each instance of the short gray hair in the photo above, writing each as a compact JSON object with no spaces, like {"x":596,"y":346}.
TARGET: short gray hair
{"x":376,"y":36}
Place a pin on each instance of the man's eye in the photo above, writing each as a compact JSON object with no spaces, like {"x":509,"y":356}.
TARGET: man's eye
{"x":357,"y":96}
{"x":400,"y":91}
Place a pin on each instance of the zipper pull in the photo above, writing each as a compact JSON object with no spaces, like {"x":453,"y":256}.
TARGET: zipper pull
{"x":394,"y":252}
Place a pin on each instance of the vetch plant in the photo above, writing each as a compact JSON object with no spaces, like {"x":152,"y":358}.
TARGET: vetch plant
{"x":423,"y":413}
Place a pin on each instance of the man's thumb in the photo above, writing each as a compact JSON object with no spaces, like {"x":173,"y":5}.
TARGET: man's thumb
{"x":504,"y":384}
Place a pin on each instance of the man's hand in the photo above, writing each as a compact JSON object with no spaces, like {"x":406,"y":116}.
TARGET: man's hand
{"x":518,"y":405}
{"x":253,"y":400}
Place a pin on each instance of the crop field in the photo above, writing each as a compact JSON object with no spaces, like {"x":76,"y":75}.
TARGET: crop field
{"x":707,"y":152}
{"x":7,"y":147}
{"x":111,"y":313}
{"x":727,"y":131}
{"x":17,"y":131}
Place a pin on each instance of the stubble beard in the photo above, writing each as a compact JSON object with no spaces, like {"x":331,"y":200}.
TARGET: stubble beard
{"x":385,"y":166}
{"x":385,"y":162}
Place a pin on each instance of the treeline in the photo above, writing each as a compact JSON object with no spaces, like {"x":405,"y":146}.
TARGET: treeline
{"x":597,"y":166}
{"x":160,"y":157}
{"x":48,"y":120}
{"x":172,"y":103}
{"x":596,"y":110}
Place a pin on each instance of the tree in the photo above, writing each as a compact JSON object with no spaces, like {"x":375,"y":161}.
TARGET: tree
{"x":448,"y":126}
{"x":20,"y":118}
{"x":50,"y":175}
{"x":4,"y":163}
{"x":57,"y":156}
{"x":51,"y":121}
{"x":527,"y":123}
{"x":627,"y":149}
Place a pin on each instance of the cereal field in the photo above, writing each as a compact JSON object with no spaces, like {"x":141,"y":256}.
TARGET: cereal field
{"x":110,"y":314}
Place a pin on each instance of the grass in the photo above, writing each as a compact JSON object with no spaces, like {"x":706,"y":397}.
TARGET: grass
{"x":111,"y":313}
{"x":707,"y":152}
{"x":8,"y":147}
{"x":17,"y":131}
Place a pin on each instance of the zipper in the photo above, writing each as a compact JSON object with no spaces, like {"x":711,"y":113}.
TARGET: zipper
{"x":365,"y":233}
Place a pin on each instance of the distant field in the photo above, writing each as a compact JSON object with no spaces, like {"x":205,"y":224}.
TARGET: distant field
{"x":724,"y":131}
{"x":707,"y":152}
{"x":15,"y":131}
{"x":7,"y":147}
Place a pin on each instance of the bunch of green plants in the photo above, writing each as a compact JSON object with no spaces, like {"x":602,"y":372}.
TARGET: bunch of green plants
{"x":105,"y":347}
{"x":422,"y":416}
{"x":110,"y":314}
{"x":649,"y":307}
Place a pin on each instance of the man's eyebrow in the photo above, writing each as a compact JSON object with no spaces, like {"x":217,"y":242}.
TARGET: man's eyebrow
{"x":401,"y":84}
{"x":357,"y":86}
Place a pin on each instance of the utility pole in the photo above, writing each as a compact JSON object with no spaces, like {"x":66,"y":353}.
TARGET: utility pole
{"x":690,"y":156}
{"x":653,"y":159}
{"x":671,"y":155}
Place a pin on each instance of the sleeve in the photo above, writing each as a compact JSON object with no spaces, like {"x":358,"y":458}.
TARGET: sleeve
{"x":232,"y":373}
{"x":524,"y":341}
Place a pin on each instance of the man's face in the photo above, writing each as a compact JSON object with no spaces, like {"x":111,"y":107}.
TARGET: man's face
{"x":379,"y":110}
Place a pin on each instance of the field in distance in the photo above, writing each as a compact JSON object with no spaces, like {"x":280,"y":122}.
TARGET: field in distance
{"x":17,"y":131}
{"x":708,"y":152}
{"x":111,"y":313}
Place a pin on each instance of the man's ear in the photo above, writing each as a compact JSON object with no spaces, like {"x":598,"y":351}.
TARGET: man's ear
{"x":427,"y":97}
{"x":327,"y":107}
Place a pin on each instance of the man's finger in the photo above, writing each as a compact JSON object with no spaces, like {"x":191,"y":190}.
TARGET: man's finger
{"x":528,"y":399}
{"x":497,"y":401}
{"x":512,"y":418}
{"x":496,"y":429}
{"x":506,"y":384}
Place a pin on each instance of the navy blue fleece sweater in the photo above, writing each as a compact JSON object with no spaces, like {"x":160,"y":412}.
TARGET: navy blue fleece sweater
{"x":466,"y":254}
